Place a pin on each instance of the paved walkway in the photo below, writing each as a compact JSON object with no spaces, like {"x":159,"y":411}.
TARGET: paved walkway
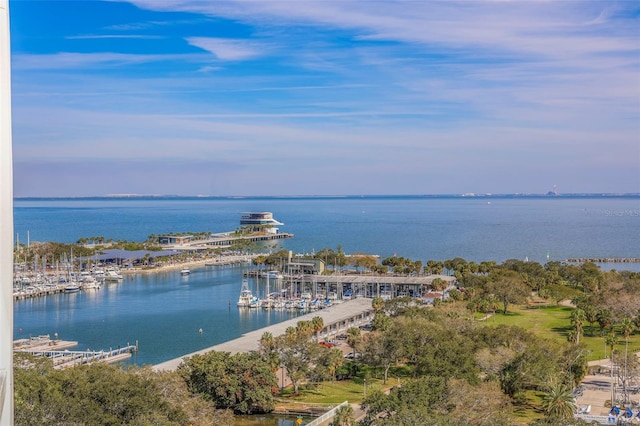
{"x":596,"y":390}
{"x":336,"y":318}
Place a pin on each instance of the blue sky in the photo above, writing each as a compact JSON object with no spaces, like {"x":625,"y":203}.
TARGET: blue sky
{"x":324,"y":97}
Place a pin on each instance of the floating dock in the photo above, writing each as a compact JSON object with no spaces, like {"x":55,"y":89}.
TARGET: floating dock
{"x":58,"y":351}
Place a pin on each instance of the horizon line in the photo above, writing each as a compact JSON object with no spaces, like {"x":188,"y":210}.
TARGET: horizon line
{"x":450,"y":195}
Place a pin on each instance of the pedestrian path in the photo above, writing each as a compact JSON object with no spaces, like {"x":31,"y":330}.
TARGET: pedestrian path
{"x":336,"y":318}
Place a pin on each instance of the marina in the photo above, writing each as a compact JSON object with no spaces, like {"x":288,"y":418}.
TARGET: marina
{"x":165,"y":310}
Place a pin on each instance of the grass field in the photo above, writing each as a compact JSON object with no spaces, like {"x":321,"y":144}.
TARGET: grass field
{"x":553,"y":322}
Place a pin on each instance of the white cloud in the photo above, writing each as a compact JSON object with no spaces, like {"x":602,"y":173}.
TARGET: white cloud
{"x":77,"y":61}
{"x":393,"y":93}
{"x":228,"y":49}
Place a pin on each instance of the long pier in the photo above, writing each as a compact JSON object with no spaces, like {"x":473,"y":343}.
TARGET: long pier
{"x":337,"y":318}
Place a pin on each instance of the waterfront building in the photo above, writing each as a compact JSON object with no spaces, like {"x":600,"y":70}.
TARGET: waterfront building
{"x":300,"y":266}
{"x":260,"y":221}
{"x":174,"y":239}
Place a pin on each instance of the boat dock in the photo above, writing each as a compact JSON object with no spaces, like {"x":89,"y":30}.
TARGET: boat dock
{"x":38,"y":291}
{"x":58,"y":351}
{"x":337,"y":318}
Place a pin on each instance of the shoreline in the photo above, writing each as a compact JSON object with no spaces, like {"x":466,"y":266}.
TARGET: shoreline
{"x":195,"y":263}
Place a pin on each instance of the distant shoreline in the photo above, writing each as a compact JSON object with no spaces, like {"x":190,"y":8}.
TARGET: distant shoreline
{"x":631,"y":195}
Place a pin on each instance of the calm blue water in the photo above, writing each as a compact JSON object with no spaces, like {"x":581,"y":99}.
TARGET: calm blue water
{"x":164,"y":311}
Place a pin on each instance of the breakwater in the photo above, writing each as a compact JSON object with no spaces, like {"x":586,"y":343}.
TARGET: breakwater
{"x":604,"y":260}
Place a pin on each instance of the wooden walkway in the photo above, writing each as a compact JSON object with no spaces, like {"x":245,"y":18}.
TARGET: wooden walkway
{"x":337,"y":318}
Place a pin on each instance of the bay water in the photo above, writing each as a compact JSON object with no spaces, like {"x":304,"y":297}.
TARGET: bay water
{"x":164,"y":312}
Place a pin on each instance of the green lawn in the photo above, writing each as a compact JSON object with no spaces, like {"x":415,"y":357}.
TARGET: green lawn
{"x":553,"y":322}
{"x":334,"y":392}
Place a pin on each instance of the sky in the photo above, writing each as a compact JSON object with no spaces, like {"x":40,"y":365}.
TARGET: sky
{"x":241,"y":98}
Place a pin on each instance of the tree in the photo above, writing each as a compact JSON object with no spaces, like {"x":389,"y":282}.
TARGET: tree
{"x":297,"y":353}
{"x":577,"y":321}
{"x":269,"y":351}
{"x":558,"y":402}
{"x":439,"y":284}
{"x":604,"y":319}
{"x":591,"y":316}
{"x":434,"y":267}
{"x":317,"y":323}
{"x":354,"y":339}
{"x":241,"y":382}
{"x":610,"y":340}
{"x":377,"y":304}
{"x":481,"y":405}
{"x":509,"y":288}
{"x":88,"y":394}
{"x":382,"y":349}
{"x":305,"y":328}
{"x":326,"y":364}
{"x":344,"y":416}
{"x":381,"y":321}
{"x":417,"y":402}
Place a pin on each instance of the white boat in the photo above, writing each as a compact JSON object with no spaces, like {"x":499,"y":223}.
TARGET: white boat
{"x":112,"y":275}
{"x":185,"y":271}
{"x":90,"y":283}
{"x":72,"y":288}
{"x":245,"y":295}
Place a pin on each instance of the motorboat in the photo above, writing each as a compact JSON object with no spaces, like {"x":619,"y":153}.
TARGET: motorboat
{"x":185,"y":271}
{"x":72,"y":288}
{"x":245,"y":295}
{"x":90,"y":283}
{"x":112,"y":275}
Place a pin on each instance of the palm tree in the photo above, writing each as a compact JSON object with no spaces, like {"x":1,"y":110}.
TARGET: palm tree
{"x":610,"y":340}
{"x":354,"y":338}
{"x":577,"y":321}
{"x":626,"y":326}
{"x":439,"y":284}
{"x":304,"y":328}
{"x":344,"y":416}
{"x":604,"y":319}
{"x":377,"y":304}
{"x":558,"y":402}
{"x":318,"y":324}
